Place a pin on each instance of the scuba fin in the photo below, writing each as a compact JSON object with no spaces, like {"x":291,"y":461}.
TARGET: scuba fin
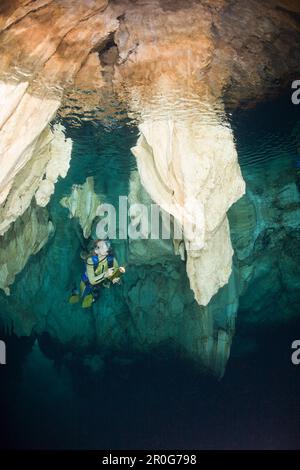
{"x":87,"y":301}
{"x":74,"y":297}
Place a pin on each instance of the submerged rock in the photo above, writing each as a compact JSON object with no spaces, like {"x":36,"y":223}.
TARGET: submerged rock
{"x":25,"y":238}
{"x":83,"y":204}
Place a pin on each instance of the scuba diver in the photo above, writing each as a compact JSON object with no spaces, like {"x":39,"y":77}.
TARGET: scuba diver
{"x":102,"y":269}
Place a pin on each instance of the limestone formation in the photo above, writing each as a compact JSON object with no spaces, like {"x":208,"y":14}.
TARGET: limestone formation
{"x":58,"y":165}
{"x":83,"y":204}
{"x":191,"y":171}
{"x":38,"y":60}
{"x":25,"y":237}
{"x":50,"y":157}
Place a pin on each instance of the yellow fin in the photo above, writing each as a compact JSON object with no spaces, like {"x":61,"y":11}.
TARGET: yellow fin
{"x":74,"y":299}
{"x":87,"y":301}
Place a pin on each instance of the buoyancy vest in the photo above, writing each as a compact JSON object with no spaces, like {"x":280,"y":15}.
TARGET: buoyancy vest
{"x":99,"y":266}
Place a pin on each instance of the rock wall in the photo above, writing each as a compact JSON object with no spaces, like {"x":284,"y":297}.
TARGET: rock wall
{"x":161,"y":305}
{"x":25,"y":237}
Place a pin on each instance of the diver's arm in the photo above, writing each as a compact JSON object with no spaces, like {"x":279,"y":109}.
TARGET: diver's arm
{"x":116,"y":264}
{"x":112,"y":271}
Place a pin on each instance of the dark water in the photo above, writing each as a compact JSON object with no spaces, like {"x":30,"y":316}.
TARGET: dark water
{"x":157,"y":403}
{"x":161,"y":401}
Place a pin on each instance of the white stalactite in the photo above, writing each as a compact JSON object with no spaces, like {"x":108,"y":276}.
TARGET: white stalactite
{"x":190,"y":169}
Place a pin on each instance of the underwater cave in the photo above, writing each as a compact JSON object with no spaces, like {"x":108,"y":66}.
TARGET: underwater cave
{"x":192,"y":348}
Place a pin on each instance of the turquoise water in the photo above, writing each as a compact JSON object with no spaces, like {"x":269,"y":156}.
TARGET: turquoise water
{"x":58,"y":392}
